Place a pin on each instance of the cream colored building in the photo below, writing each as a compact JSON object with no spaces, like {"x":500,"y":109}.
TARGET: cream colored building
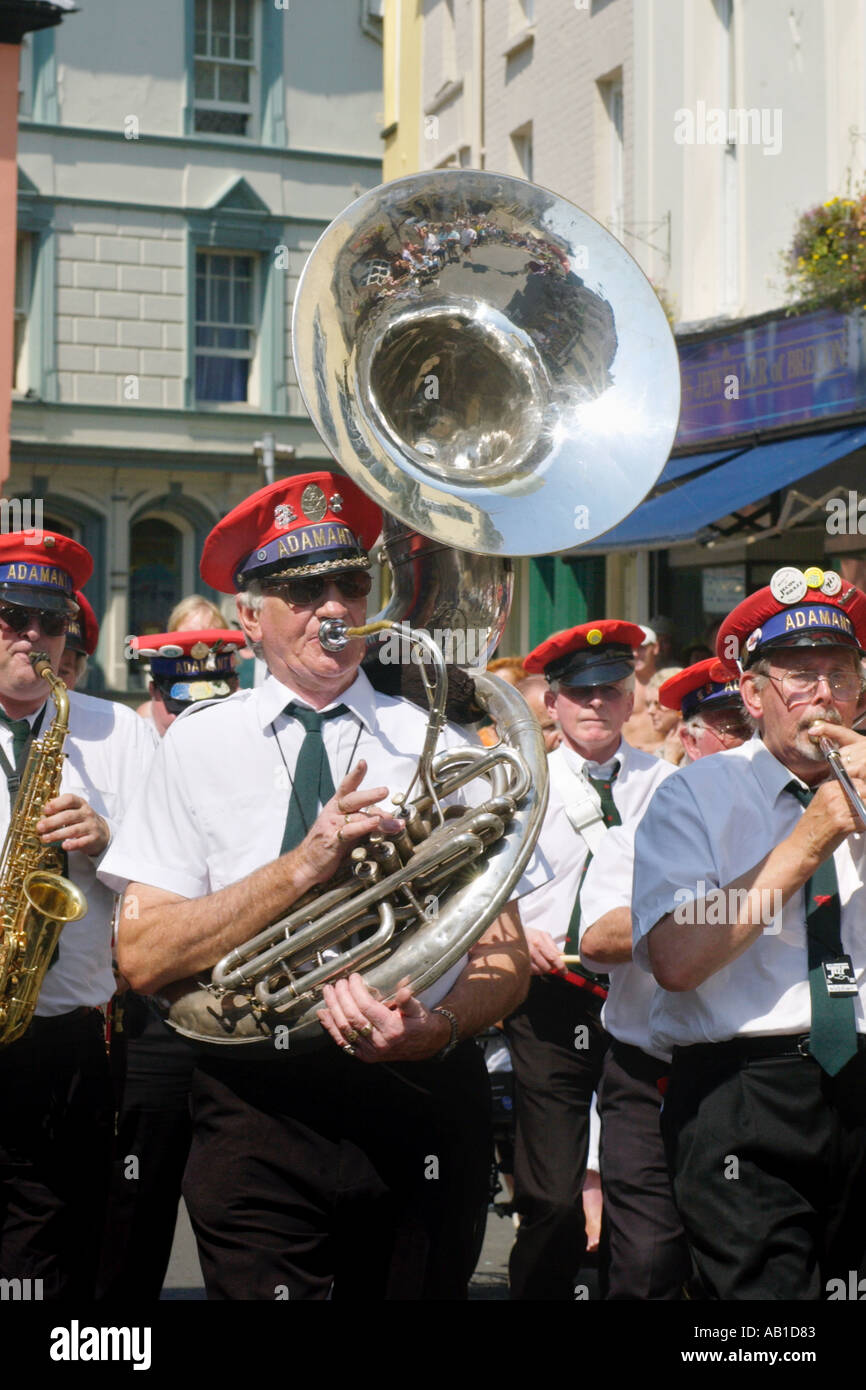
{"x":696,"y":130}
{"x":177,"y":161}
{"x":615,"y":105}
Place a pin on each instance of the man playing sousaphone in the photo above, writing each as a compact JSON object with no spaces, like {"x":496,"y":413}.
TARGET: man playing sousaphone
{"x":356,"y":1170}
{"x":749,"y":908}
{"x":56,"y":1101}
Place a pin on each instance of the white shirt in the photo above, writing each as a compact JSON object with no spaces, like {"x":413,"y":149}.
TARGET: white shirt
{"x":608,"y":883}
{"x":709,"y":824}
{"x":550,"y":907}
{"x":214,"y":806}
{"x":107,"y":753}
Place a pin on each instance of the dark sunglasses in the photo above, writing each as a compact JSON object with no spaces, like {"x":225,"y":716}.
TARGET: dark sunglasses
{"x":303,"y":592}
{"x":51,"y":622}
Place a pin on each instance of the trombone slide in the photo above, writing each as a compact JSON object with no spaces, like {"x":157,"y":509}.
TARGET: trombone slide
{"x":831,"y":753}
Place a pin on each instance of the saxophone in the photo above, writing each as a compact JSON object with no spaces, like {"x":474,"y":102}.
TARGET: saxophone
{"x":35,"y":899}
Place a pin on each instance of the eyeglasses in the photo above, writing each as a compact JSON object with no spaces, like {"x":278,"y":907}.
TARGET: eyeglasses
{"x":301,"y":593}
{"x":798,"y":687}
{"x":723,"y":728}
{"x":51,"y":622}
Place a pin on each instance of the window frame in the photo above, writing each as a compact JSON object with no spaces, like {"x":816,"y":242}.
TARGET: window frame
{"x":523,"y":151}
{"x":22,"y":310}
{"x":253,"y":353}
{"x":256,"y":233}
{"x":35,"y":218}
{"x":267,"y":125}
{"x":612,"y":92}
{"x":250,"y":108}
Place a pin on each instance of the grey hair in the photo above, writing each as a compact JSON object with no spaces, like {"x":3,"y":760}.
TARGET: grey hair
{"x":251,"y":599}
{"x":760,"y":670}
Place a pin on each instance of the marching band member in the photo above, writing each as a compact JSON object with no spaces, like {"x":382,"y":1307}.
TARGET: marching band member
{"x":153,"y":1127}
{"x":358,"y":1170}
{"x":556,"y":1038}
{"x":644,"y":1251}
{"x":56,"y":1101}
{"x":749,"y":908}
{"x":82,"y":636}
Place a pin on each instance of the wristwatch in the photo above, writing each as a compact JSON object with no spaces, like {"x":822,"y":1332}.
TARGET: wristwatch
{"x":453,"y":1040}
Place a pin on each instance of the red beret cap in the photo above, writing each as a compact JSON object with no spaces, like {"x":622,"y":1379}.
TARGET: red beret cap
{"x":812,"y":607}
{"x":82,"y":633}
{"x":595,"y":653}
{"x":42,"y":569}
{"x":314,"y":523}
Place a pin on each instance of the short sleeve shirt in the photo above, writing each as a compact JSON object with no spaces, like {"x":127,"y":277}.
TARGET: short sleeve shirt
{"x":608,"y":885}
{"x":550,"y":907}
{"x":214,"y":807}
{"x":706,"y":827}
{"x":107,"y":753}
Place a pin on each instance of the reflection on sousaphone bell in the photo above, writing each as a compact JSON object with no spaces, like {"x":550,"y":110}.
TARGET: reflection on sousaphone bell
{"x":487,"y":362}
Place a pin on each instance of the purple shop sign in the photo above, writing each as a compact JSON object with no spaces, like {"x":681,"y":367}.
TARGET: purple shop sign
{"x":774,"y":374}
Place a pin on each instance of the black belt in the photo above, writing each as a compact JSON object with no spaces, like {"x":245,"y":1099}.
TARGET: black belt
{"x":745,"y":1049}
{"x":47,"y":1025}
{"x":638,"y":1063}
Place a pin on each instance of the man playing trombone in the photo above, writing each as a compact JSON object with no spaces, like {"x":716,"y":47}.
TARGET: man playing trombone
{"x":749,"y":908}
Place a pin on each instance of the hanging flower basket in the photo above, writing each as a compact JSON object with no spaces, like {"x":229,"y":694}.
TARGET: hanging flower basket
{"x":825,"y":265}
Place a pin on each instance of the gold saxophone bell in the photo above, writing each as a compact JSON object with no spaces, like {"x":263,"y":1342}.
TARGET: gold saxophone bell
{"x":36,"y":901}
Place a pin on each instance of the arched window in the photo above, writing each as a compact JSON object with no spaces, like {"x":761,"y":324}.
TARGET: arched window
{"x":156,"y":574}
{"x":50,"y":522}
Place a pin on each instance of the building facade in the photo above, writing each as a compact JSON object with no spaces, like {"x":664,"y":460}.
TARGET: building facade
{"x":696,"y":131}
{"x":177,"y":162}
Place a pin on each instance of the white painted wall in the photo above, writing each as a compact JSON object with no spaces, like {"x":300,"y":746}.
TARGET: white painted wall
{"x":805,"y":62}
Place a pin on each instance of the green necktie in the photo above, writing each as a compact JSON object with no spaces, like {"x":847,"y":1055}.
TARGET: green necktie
{"x":611,"y":817}
{"x":833,"y":1035}
{"x":20,"y":734}
{"x":313,"y":784}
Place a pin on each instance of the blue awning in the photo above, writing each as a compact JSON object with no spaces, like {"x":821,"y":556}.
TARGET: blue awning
{"x":709,"y":487}
{"x":677,"y":468}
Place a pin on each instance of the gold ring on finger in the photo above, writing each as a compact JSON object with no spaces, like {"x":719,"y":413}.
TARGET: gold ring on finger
{"x":348,"y":817}
{"x":340,"y":834}
{"x":351,"y":1034}
{"x":366,"y":1031}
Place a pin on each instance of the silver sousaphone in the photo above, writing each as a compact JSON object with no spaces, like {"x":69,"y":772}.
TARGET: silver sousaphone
{"x":492,"y":367}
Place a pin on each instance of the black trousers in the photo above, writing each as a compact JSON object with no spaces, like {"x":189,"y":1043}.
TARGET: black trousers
{"x":557,"y":1050}
{"x":643,"y":1254}
{"x":324,"y":1177}
{"x":56,"y":1122}
{"x":154,"y":1132}
{"x":768,"y":1161}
